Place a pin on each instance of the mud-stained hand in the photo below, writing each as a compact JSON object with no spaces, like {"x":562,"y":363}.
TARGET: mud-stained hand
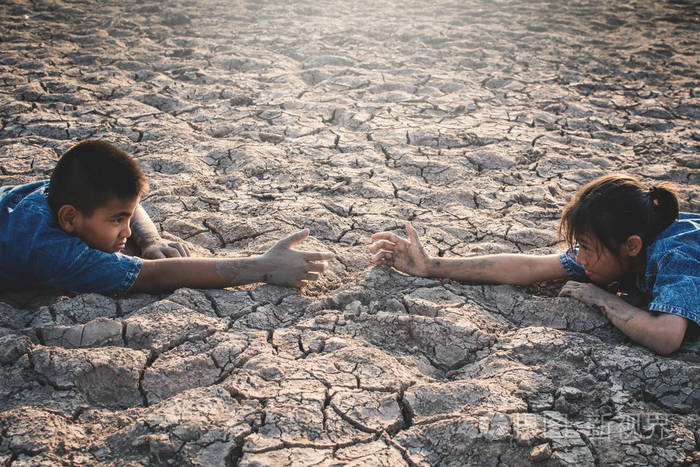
{"x":164,"y":249}
{"x":405,"y":255}
{"x":621,"y":313}
{"x":286,"y":266}
{"x":585,"y":292}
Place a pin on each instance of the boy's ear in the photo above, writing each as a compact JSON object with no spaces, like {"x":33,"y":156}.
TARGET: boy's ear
{"x":633,"y":245}
{"x":67,"y":217}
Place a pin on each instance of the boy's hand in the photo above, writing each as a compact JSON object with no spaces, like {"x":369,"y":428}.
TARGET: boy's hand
{"x":146,"y":236}
{"x":289,"y":267}
{"x":164,"y":249}
{"x":404,"y":255}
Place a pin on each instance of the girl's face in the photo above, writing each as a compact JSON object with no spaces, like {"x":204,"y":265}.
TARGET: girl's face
{"x":602,"y":265}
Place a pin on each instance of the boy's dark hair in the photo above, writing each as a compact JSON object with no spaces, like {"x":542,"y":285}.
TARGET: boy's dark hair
{"x":91,"y":173}
{"x":614,"y":207}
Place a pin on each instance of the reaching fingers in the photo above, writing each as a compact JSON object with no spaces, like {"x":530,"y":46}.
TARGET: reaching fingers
{"x":412,"y":234}
{"x":316,"y":267}
{"x":310,"y":277}
{"x":383,"y":258}
{"x":381,"y":245}
{"x":293,"y":239}
{"x":318,"y":256}
{"x":392,"y":237}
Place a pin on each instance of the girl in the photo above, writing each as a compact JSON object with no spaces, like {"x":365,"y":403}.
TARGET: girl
{"x":620,"y":233}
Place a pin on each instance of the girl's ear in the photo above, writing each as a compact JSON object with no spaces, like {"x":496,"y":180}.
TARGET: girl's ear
{"x":67,"y":217}
{"x":633,"y":245}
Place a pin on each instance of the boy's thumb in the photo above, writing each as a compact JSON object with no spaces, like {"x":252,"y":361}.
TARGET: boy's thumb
{"x":293,"y":239}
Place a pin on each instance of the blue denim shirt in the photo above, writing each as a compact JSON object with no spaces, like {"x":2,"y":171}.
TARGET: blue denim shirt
{"x":35,"y":252}
{"x":672,"y":275}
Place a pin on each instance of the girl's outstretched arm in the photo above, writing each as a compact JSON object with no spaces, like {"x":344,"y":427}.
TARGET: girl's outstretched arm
{"x":662,"y":333}
{"x":408,"y":256}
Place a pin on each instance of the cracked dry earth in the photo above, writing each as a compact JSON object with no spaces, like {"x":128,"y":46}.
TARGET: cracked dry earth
{"x":253,"y":119}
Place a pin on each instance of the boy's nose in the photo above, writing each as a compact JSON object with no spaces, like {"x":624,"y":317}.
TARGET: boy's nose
{"x":126,"y":232}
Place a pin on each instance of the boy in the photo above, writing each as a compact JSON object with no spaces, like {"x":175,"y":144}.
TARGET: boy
{"x":67,"y":233}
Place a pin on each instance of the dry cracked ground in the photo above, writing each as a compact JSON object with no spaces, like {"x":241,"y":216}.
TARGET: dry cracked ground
{"x":476,"y":120}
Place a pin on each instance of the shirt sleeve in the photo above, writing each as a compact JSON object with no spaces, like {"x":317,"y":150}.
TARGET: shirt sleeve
{"x":79,"y":268}
{"x":676,"y":288}
{"x":573,"y":269}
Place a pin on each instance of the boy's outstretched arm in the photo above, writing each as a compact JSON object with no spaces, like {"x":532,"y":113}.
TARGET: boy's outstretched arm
{"x":408,"y":256}
{"x":146,"y":236}
{"x":662,"y":333}
{"x":281,"y":265}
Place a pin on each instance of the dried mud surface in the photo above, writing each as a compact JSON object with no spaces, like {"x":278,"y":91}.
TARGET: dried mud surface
{"x":476,"y":120}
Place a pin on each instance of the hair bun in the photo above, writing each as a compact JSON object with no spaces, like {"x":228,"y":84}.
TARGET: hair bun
{"x":665,"y":204}
{"x":656,"y":194}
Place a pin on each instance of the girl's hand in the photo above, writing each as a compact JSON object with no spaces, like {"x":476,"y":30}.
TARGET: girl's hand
{"x":661,"y":332}
{"x":405,"y":255}
{"x":288,"y":267}
{"x":587,"y":293}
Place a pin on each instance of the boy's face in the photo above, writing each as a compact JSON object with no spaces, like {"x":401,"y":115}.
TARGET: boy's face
{"x":601,"y":265}
{"x":108,"y":227}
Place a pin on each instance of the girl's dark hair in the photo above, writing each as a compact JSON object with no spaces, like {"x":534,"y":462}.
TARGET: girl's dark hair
{"x":91,"y":173}
{"x":614,"y":207}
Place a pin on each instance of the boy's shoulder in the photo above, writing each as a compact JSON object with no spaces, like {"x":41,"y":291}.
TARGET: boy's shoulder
{"x":25,"y":217}
{"x":24,"y":207}
{"x":36,"y":252}
{"x":11,"y":196}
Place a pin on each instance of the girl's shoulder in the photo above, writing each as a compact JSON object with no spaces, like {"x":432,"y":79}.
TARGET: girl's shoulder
{"x":687,"y":225}
{"x":683,"y":237}
{"x":689,"y":216}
